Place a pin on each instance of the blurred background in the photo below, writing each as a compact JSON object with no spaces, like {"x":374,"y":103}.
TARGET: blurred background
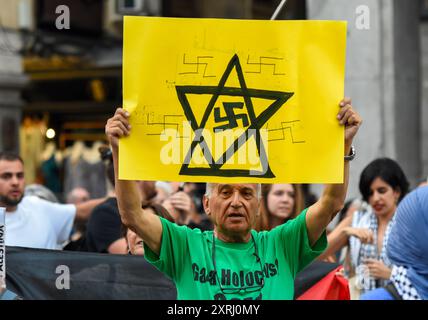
{"x":59,"y":85}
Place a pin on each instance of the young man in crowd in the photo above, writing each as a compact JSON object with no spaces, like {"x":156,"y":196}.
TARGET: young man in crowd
{"x":31,"y":221}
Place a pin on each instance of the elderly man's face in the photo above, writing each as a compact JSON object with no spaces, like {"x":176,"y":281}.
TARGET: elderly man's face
{"x":233,"y":208}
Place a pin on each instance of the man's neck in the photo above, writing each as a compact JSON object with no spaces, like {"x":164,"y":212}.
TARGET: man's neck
{"x":8,"y":208}
{"x":233,"y":238}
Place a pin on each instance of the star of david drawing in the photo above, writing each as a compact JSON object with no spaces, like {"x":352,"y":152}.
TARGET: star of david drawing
{"x":249,"y":118}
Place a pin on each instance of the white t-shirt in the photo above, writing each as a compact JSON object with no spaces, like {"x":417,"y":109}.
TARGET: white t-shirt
{"x":38,"y":223}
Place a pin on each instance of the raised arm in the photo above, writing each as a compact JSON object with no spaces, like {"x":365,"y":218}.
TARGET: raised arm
{"x":332,"y":199}
{"x":84,"y":209}
{"x":142,"y":222}
{"x":338,"y":238}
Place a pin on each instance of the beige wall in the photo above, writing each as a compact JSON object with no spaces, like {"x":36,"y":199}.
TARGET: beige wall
{"x":10,"y":12}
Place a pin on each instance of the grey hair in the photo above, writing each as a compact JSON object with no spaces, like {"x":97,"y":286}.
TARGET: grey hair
{"x":40,"y":191}
{"x":210,"y":187}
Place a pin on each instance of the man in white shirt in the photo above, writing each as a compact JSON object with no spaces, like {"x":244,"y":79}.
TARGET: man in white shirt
{"x":30,"y":221}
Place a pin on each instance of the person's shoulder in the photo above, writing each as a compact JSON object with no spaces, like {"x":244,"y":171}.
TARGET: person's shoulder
{"x":198,"y":234}
{"x":106,"y":208}
{"x":183,"y":228}
{"x":31,"y":201}
{"x":206,"y":235}
{"x":258,"y":235}
{"x":198,"y":231}
{"x":109,"y":203}
{"x":28,"y":199}
{"x":362,"y":217}
{"x":295,"y":222}
{"x":263,"y":236}
{"x":33,"y":205}
{"x":290,"y":225}
{"x":112,"y":201}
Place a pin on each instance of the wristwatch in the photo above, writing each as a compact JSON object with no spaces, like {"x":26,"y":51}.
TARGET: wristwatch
{"x":351,"y":156}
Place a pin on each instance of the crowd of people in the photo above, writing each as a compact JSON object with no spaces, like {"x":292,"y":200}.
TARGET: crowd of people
{"x":244,"y":241}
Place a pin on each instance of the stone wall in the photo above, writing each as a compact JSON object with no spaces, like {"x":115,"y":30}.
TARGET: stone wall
{"x":12,"y":81}
{"x":383,"y":78}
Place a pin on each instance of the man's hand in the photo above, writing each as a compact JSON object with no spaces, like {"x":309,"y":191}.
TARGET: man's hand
{"x":117,"y":127}
{"x":352,"y":121}
{"x":181,"y":201}
{"x":184,"y":205}
{"x":377,"y":269}
{"x":129,"y":199}
{"x":365,"y":235}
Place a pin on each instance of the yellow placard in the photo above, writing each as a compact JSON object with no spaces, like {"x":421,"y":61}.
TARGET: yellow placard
{"x":215,"y":100}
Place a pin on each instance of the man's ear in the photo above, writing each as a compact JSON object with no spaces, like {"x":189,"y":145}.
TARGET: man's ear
{"x":205,"y":202}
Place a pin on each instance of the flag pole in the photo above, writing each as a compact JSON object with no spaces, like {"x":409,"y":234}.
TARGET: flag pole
{"x":278,"y":9}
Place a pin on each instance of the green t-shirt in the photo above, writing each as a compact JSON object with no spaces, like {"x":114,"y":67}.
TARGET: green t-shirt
{"x":186,"y":257}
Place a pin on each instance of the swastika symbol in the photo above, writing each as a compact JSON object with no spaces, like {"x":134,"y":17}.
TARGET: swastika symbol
{"x":231,"y":116}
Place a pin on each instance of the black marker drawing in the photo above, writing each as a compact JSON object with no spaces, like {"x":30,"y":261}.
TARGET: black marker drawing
{"x":255,"y":123}
{"x":139,"y":115}
{"x":260,"y":63}
{"x":164,"y":124}
{"x":231,"y":116}
{"x":170,"y":84}
{"x":282,"y":129}
{"x":197,"y":64}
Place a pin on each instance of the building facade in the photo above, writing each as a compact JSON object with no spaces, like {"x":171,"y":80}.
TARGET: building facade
{"x":386,"y":70}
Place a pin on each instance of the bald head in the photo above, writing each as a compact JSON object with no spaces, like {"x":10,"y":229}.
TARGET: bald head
{"x":78,"y":195}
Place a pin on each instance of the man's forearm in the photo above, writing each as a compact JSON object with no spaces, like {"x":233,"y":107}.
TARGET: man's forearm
{"x":84,"y":210}
{"x":127,"y":193}
{"x":334,"y":195}
{"x":129,"y":199}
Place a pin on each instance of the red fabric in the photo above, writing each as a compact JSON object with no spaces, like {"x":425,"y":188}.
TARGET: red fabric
{"x":331,"y":287}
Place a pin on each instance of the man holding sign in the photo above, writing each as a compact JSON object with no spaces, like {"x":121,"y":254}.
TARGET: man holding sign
{"x":233,"y":261}
{"x":197,"y":82}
